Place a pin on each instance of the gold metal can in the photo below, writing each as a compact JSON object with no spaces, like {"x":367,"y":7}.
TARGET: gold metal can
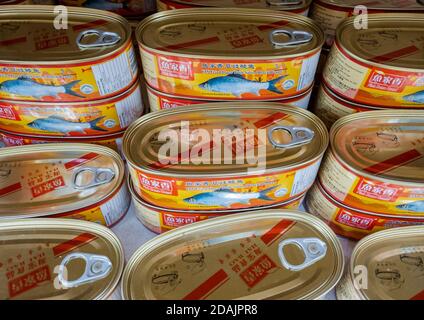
{"x":296,"y":6}
{"x":93,"y":58}
{"x":77,"y":181}
{"x":381,"y":65}
{"x":159,"y":220}
{"x":225,"y":155}
{"x":77,"y":119}
{"x":330,"y":13}
{"x":237,"y":54}
{"x":375,"y":162}
{"x":269,"y":254}
{"x":352,"y":223}
{"x":387,"y":265}
{"x":58,"y":259}
{"x":159,"y":100}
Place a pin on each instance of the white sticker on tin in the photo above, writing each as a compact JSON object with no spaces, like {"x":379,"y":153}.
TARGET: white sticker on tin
{"x":307,"y":73}
{"x":304,"y":178}
{"x":115,"y":208}
{"x":130,"y":109}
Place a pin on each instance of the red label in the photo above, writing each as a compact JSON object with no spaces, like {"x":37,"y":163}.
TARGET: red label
{"x":171,"y":220}
{"x":245,"y":42}
{"x":176,"y":69}
{"x":356,"y":221}
{"x":157,"y":185}
{"x":166,"y":104}
{"x":47,"y":186}
{"x":11,"y":141}
{"x":8,"y":112}
{"x":257,"y":271}
{"x":28,"y":281}
{"x":379,"y":191}
{"x":385,"y":81}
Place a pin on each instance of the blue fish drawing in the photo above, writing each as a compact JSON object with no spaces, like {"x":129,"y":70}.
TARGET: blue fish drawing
{"x":226,"y":197}
{"x":24,"y":86}
{"x":417,"y":97}
{"x":236,"y":84}
{"x":417,"y":206}
{"x":58,"y":124}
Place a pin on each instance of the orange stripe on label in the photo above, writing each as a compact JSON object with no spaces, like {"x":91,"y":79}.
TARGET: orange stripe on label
{"x":77,"y":162}
{"x":419,"y":296}
{"x":395,"y":54}
{"x":9,"y":189}
{"x":207,"y":287}
{"x":89,"y":25}
{"x":12,"y":41}
{"x":73,"y":243}
{"x":280,"y":228}
{"x":270,"y":120}
{"x":394,"y":162}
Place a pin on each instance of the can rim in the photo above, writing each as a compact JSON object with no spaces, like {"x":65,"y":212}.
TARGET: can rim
{"x":348,"y":7}
{"x":60,"y":139}
{"x":305,"y":5}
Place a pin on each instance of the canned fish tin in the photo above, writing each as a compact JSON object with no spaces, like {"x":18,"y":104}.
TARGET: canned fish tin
{"x":329,"y":107}
{"x":159,"y":100}
{"x":296,"y":6}
{"x":92,"y":59}
{"x":79,"y":119}
{"x":376,"y":161}
{"x":159,"y":220}
{"x":56,"y":259}
{"x":77,"y":181}
{"x":351,"y":223}
{"x":330,"y":13}
{"x":229,"y":54}
{"x":381,"y":65}
{"x":224,"y":155}
{"x":297,"y":255}
{"x":390,"y":262}
{"x":113,"y":141}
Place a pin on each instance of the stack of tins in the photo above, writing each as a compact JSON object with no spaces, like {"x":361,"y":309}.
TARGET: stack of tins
{"x":203,"y":179}
{"x":193,"y":56}
{"x":381,"y":67}
{"x":372,"y":177}
{"x":78,"y":84}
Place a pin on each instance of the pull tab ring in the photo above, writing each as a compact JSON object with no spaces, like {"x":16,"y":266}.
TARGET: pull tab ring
{"x":99,"y":176}
{"x":104,"y":39}
{"x":96,"y":267}
{"x":314,"y":250}
{"x":299,"y":136}
{"x":296,"y":37}
{"x":283,"y":3}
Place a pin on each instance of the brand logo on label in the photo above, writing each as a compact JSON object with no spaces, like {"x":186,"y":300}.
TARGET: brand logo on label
{"x":47,"y":186}
{"x":377,"y":191}
{"x":166,"y":104}
{"x":385,"y":81}
{"x":178,"y":221}
{"x":9,"y":141}
{"x":157,"y":185}
{"x":176,"y":69}
{"x":8,"y":112}
{"x":358,"y":222}
{"x":246,"y":42}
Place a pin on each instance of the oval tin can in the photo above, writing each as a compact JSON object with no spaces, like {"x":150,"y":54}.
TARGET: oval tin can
{"x":160,"y":220}
{"x":379,"y":66}
{"x":52,"y":259}
{"x":299,"y":7}
{"x":387,"y":265}
{"x":351,"y":223}
{"x":298,"y":256}
{"x":92,"y":59}
{"x":224,"y":155}
{"x":330,"y":13}
{"x":375,"y":161}
{"x":159,"y":100}
{"x":78,"y":119}
{"x":229,"y":54}
{"x":76,"y":181}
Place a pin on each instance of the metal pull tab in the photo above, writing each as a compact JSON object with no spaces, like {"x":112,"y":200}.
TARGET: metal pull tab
{"x":96,"y":177}
{"x":283,"y":3}
{"x":296,"y":37}
{"x":96,"y":268}
{"x":314,"y":250}
{"x":104,"y":38}
{"x":299,"y":136}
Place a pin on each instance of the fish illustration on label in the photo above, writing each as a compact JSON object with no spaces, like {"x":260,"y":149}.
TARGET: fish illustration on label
{"x":417,"y":97}
{"x":25,"y":86}
{"x":237,"y":85}
{"x":59,"y":124}
{"x":226,"y":197}
{"x":417,"y":206}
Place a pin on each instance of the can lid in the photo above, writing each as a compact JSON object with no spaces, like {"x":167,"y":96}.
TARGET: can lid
{"x":37,"y":34}
{"x":47,"y":179}
{"x":225,"y":139}
{"x":389,"y":5}
{"x":387,"y":143}
{"x":65,"y":259}
{"x":389,"y":40}
{"x":260,"y":4}
{"x":232,"y":33}
{"x":298,"y":256}
{"x":389,"y":263}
